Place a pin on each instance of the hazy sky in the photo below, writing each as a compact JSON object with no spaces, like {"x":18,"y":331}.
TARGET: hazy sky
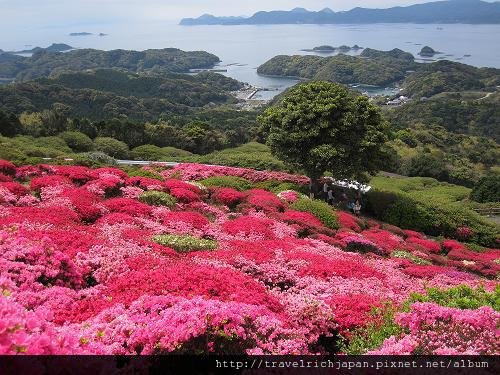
{"x":59,"y":12}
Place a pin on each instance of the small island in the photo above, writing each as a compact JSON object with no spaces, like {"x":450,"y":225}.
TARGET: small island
{"x":103,"y":34}
{"x":54,"y":47}
{"x":428,"y":52}
{"x":80,"y":34}
{"x":331,"y":49}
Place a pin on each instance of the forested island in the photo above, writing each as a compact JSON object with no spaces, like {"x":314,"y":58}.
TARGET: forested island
{"x":372,"y":67}
{"x":45,"y":63}
{"x":331,"y":49}
{"x":451,"y":11}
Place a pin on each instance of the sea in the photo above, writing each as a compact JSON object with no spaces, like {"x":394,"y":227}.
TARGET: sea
{"x":243,"y":48}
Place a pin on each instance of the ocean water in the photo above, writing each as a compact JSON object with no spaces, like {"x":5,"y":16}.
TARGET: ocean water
{"x":243,"y":48}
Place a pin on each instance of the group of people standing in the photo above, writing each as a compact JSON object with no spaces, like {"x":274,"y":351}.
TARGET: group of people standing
{"x":342,"y":200}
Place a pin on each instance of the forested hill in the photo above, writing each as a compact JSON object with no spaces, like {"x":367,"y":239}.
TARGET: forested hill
{"x":382,"y":68}
{"x":371,"y":68}
{"x":44,"y":63}
{"x":105,"y":94}
{"x":451,"y":11}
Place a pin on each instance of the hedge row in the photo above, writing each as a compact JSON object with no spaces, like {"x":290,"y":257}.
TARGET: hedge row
{"x":433,"y":218}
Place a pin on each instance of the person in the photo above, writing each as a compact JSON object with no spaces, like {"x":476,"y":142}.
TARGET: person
{"x":350,"y":206}
{"x":325,"y":190}
{"x":312,"y":189}
{"x":344,"y":201}
{"x":329,"y":199}
{"x":357,"y":208}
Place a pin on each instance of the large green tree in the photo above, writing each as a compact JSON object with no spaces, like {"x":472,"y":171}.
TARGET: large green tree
{"x":322,"y":126}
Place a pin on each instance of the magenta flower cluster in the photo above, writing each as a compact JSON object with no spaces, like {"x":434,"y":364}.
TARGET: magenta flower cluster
{"x":81,"y":272}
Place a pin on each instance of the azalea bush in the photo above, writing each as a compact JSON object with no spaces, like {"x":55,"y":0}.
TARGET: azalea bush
{"x":100,"y":261}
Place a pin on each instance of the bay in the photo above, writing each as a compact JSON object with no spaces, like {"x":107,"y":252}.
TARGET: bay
{"x":243,"y":48}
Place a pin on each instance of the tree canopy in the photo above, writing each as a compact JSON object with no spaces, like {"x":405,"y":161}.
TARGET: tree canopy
{"x":322,"y":126}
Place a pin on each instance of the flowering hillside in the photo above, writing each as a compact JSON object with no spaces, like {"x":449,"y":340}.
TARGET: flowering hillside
{"x":96,"y":261}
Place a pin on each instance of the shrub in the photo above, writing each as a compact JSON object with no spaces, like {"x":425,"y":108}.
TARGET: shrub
{"x":94,"y":159}
{"x":185,"y":243}
{"x":134,"y":172}
{"x":251,"y":155}
{"x":428,"y":216}
{"x":127,"y":206}
{"x":157,"y":198}
{"x":227,"y":196}
{"x":427,"y":165}
{"x":112,"y":147}
{"x":487,"y":190}
{"x":276,"y":186}
{"x":191,"y":219}
{"x":185,"y":195}
{"x":4,"y":178}
{"x":321,"y":210}
{"x":77,"y":141}
{"x":237,"y":183}
{"x":263,"y":200}
{"x":7,"y":168}
{"x":380,"y":327}
{"x":249,"y":226}
{"x":460,"y":297}
{"x":155,"y":153}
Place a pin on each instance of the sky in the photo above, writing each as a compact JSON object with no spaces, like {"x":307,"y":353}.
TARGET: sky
{"x":60,"y":12}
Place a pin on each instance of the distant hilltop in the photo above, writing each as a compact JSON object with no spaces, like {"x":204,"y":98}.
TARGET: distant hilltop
{"x":54,"y":47}
{"x":450,"y":11}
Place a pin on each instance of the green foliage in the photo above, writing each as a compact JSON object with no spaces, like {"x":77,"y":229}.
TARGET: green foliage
{"x":435,"y":209}
{"x":112,"y":147}
{"x":381,"y":327}
{"x":186,"y":243}
{"x":276,"y":186}
{"x":466,"y":158}
{"x":202,"y":138}
{"x":487,"y":190}
{"x":9,"y":124}
{"x":449,"y":76}
{"x":460,"y":297}
{"x":321,"y":210}
{"x":139,"y":172}
{"x":94,"y":159}
{"x":456,"y":112}
{"x":424,"y":187}
{"x":166,"y":60}
{"x":77,"y":141}
{"x":427,"y":165}
{"x":155,"y":153}
{"x":157,"y":198}
{"x":237,"y":183}
{"x":371,"y":68}
{"x":25,"y":149}
{"x":50,"y":121}
{"x":251,"y":155}
{"x":321,"y":126}
{"x":115,"y":94}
